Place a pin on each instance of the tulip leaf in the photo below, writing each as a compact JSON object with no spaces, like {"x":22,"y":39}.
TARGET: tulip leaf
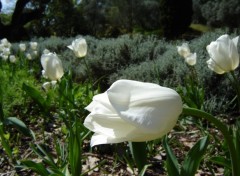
{"x":36,"y":167}
{"x":171,"y":162}
{"x":20,"y":125}
{"x":194,"y":157}
{"x":35,"y":95}
{"x":221,"y":161}
{"x":1,"y":112}
{"x":4,"y":142}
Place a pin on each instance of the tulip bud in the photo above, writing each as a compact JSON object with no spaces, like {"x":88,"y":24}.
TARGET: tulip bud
{"x":22,"y":47}
{"x":184,"y":51}
{"x":223,"y":54}
{"x":52,"y":66}
{"x":29,"y":56}
{"x":12,"y":59}
{"x":33,"y":45}
{"x":132,"y":111}
{"x":79,"y":47}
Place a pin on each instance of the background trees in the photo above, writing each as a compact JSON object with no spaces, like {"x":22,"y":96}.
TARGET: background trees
{"x":104,"y":18}
{"x":25,"y":11}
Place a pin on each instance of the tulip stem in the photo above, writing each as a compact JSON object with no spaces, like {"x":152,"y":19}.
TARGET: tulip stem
{"x":225,"y":131}
{"x":236,"y":85}
{"x":139,"y":153}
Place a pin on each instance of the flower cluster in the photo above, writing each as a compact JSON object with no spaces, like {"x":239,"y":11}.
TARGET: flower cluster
{"x":184,"y":51}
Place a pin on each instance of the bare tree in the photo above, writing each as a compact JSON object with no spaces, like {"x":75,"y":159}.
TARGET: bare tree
{"x":15,"y":31}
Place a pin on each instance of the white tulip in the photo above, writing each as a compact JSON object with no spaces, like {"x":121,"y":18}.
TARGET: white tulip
{"x":6,"y":51}
{"x":29,"y":56}
{"x":46,"y":51}
{"x":22,"y":47}
{"x":33,"y":45}
{"x":79,"y":47}
{"x":223,"y":54}
{"x":184,"y":51}
{"x":191,"y":59}
{"x":52,"y":66}
{"x":6,"y":43}
{"x":132,"y":111}
{"x":4,"y":57}
{"x":12,"y":59}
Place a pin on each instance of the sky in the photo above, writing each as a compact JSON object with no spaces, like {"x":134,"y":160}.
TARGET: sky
{"x":8,"y":5}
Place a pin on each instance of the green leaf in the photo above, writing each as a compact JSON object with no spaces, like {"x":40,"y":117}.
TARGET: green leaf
{"x":194,"y":157}
{"x":1,"y":112}
{"x":35,"y":95}
{"x":20,"y":125}
{"x":171,"y":162}
{"x":221,"y":161}
{"x":36,"y":167}
{"x":75,"y":151}
{"x":4,"y":142}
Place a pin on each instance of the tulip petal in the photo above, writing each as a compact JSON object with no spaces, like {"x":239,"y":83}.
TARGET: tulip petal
{"x":191,"y":59}
{"x":145,"y":105}
{"x":214,"y":67}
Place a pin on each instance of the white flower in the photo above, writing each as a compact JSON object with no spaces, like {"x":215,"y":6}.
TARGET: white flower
{"x":52,"y":66}
{"x":29,"y":56}
{"x":35,"y":53}
{"x":46,"y":51}
{"x":4,"y":57}
{"x":79,"y":47}
{"x":184,"y":51}
{"x":191,"y":59}
{"x":22,"y":47}
{"x":223,"y":54}
{"x":33,"y":45}
{"x":12,"y":59}
{"x":132,"y":111}
{"x":6,"y":51}
{"x":6,"y":43}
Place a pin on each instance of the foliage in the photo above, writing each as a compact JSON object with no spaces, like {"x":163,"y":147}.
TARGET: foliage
{"x":49,"y":123}
{"x":175,"y":17}
{"x":223,"y":13}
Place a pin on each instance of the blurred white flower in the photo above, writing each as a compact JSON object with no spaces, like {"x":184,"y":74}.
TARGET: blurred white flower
{"x":224,"y":56}
{"x":35,"y":53}
{"x":12,"y":59}
{"x":46,"y":51}
{"x":33,"y":45}
{"x":28,"y":56}
{"x":79,"y":47}
{"x":191,"y":59}
{"x":184,"y":51}
{"x":52,"y":66}
{"x":1,"y":47}
{"x":6,"y":51}
{"x":132,"y":111}
{"x":6,"y":43}
{"x":22,"y":47}
{"x":4,"y":57}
